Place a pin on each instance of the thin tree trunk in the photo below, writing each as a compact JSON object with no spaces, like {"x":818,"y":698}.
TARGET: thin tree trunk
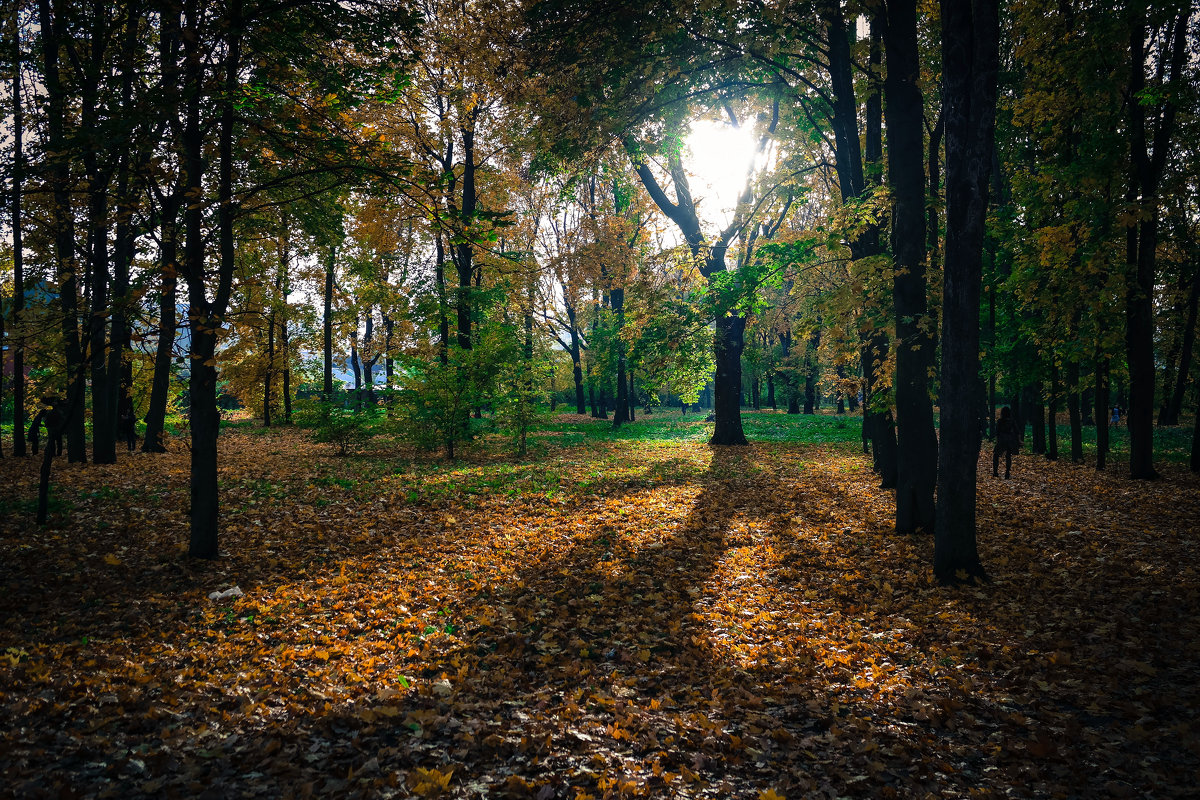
{"x":1185,"y":362}
{"x":576,"y":364}
{"x":1102,"y":412}
{"x":1038,"y":414}
{"x":163,"y":354}
{"x":1052,"y":414}
{"x":616,"y":297}
{"x":810,"y":375}
{"x":1074,"y":411}
{"x":18,"y":305}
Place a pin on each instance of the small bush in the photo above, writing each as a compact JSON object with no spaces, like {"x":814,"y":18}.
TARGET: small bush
{"x":331,"y":422}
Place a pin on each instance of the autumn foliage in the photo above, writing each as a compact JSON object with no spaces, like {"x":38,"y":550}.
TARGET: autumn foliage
{"x":642,"y":616}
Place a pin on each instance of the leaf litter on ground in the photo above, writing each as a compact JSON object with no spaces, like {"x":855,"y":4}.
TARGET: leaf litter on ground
{"x":616,"y":618}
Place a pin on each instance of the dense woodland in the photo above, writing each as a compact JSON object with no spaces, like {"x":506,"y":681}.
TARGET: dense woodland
{"x":483,"y":204}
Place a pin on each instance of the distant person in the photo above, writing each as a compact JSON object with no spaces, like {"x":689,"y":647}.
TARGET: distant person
{"x":1116,"y":416}
{"x":1007,"y":442}
{"x":127,"y":424}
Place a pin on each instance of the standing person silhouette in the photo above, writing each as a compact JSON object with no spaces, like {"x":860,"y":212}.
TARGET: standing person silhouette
{"x":127,"y":424}
{"x":1007,"y":442}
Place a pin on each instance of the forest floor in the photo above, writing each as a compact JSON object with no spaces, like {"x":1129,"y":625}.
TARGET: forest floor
{"x":637,"y":615}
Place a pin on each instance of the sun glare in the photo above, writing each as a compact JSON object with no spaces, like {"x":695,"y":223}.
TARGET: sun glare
{"x":719,"y":156}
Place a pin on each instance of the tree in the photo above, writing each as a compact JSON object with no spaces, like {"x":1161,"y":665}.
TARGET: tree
{"x":970,"y":62}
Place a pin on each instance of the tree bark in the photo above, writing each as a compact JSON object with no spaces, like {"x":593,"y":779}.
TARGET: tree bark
{"x":1142,"y":236}
{"x":616,"y":297}
{"x":1102,"y":412}
{"x":576,"y":363}
{"x":1052,"y":414}
{"x":970,"y":59}
{"x":206,"y":316}
{"x":918,"y":444}
{"x":728,"y":342}
{"x":810,"y":375}
{"x":67,"y":266}
{"x":1038,"y":414}
{"x":327,"y":323}
{"x":1073,"y":411}
{"x":1185,"y":362}
{"x":18,"y":304}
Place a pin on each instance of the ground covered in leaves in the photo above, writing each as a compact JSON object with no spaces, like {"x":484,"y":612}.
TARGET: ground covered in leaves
{"x":641,"y":616}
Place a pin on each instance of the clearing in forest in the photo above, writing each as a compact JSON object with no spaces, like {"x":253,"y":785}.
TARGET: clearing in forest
{"x":628,"y":615}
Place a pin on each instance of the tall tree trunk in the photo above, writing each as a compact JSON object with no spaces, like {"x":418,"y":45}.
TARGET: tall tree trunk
{"x":917,"y":468}
{"x":1052,"y":414}
{"x":576,"y":364}
{"x":1175,"y":408}
{"x":439,"y":277}
{"x":356,"y":365}
{"x":810,"y":375}
{"x":789,"y":380}
{"x":728,"y":343}
{"x":58,"y":173}
{"x":205,"y":315}
{"x":970,"y":58}
{"x":616,"y":297}
{"x":1102,"y":411}
{"x":269,"y":372}
{"x":125,"y":238}
{"x":1074,"y":411}
{"x":463,"y":258}
{"x":169,"y":231}
{"x":1038,"y":415}
{"x":164,"y":351}
{"x":327,"y":323}
{"x":1142,"y":234}
{"x":771,"y":391}
{"x":18,"y":304}
{"x":632,"y":396}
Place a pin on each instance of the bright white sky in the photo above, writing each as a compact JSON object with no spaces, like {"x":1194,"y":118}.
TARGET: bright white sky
{"x":719,"y":157}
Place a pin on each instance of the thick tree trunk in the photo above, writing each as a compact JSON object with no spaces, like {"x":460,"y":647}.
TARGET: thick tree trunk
{"x":206,"y":316}
{"x":917,"y":468}
{"x":1194,"y":462}
{"x":970,"y":58}
{"x":771,"y":391}
{"x":1142,"y":234}
{"x":728,"y":342}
